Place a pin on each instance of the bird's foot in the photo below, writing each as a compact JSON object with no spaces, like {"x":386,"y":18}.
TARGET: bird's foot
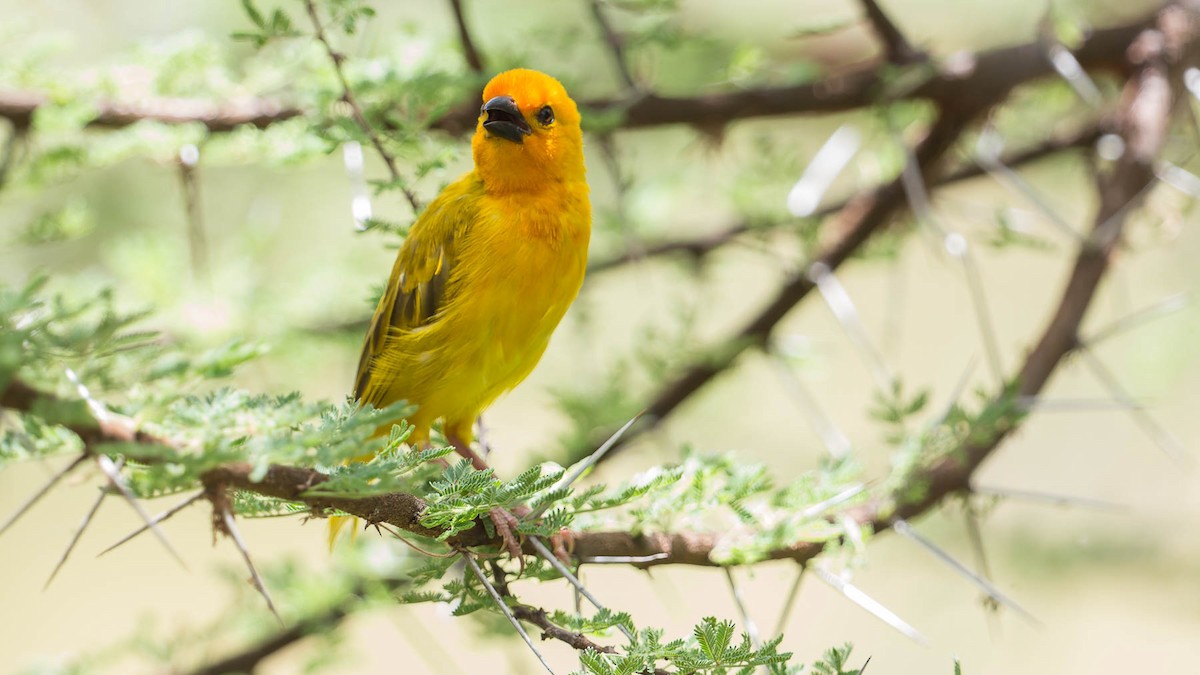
{"x":562,"y":544}
{"x":506,"y":525}
{"x":506,"y":522}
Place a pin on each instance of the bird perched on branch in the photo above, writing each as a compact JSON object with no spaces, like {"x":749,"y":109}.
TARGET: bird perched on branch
{"x":487,"y":271}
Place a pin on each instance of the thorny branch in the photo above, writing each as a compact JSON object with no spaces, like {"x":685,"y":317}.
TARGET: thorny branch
{"x":858,"y":87}
{"x":356,"y":110}
{"x":1141,"y":120}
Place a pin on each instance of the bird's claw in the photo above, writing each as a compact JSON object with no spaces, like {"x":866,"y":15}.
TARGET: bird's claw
{"x":506,"y":525}
{"x":562,"y":544}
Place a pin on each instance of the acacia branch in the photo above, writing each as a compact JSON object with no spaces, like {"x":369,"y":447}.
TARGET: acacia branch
{"x":961,"y":101}
{"x":356,"y":110}
{"x":990,"y":71}
{"x":1142,"y":121}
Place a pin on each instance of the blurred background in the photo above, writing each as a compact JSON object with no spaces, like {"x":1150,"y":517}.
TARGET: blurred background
{"x":282,"y":265}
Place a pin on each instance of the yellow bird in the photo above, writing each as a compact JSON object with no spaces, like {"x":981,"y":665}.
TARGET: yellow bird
{"x":489,"y":268}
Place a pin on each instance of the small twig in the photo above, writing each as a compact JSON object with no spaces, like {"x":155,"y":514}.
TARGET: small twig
{"x":549,"y":557}
{"x":904,"y":529}
{"x":700,"y":246}
{"x":504,"y":609}
{"x":396,"y":533}
{"x":898,"y":49}
{"x":858,"y":221}
{"x":230,"y":528}
{"x":537,"y":617}
{"x":616,"y":46}
{"x":33,"y":499}
{"x":470,"y":52}
{"x":248,"y":659}
{"x":623,"y":559}
{"x":337,"y":58}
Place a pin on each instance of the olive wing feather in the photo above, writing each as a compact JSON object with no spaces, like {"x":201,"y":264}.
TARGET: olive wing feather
{"x":418,"y":287}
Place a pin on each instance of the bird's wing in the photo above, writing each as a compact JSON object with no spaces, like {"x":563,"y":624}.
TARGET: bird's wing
{"x":417,"y":289}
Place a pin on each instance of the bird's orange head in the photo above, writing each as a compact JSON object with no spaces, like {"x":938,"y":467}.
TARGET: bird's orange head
{"x":528,"y":134}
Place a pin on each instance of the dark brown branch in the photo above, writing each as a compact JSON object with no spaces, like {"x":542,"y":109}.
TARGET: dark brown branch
{"x":537,"y":616}
{"x":470,"y":52}
{"x":1142,"y":122}
{"x":897,"y":48}
{"x":551,"y":631}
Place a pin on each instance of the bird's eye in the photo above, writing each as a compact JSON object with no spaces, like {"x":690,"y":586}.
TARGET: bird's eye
{"x":545,"y":116}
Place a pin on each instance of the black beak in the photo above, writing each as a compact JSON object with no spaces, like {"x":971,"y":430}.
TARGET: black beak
{"x":505,"y":120}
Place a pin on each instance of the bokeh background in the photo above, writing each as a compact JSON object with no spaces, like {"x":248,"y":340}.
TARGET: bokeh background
{"x":1114,"y":590}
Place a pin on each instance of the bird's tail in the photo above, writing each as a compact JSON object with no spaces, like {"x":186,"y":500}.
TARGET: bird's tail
{"x":336,"y":523}
{"x":418,"y":438}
